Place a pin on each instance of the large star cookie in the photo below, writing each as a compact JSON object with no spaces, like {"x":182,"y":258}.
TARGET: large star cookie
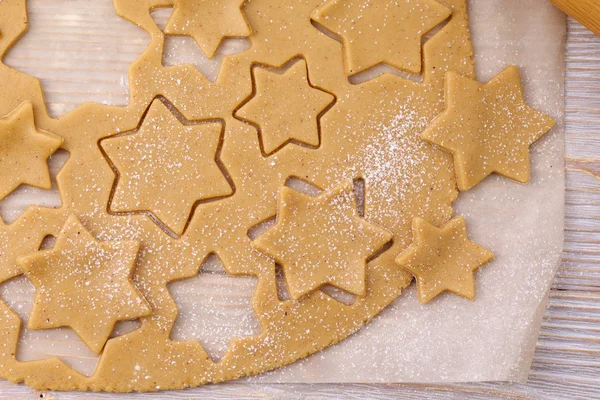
{"x":84,"y":284}
{"x":443,"y":259}
{"x":24,"y":151}
{"x":208,"y":22}
{"x":487,"y":127}
{"x":285,"y":107}
{"x":321,"y":240}
{"x":375,"y":32}
{"x":164,"y":153}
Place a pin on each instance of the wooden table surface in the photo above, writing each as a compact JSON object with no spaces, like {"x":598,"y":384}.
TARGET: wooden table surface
{"x":567,"y":359}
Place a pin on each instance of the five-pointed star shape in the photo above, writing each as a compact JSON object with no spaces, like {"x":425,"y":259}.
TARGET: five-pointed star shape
{"x":285,"y":107}
{"x":24,"y":151}
{"x":443,"y":259}
{"x":166,"y":167}
{"x":84,"y":284}
{"x":208,"y":22}
{"x":375,"y":32}
{"x":321,"y":240}
{"x":487,"y":127}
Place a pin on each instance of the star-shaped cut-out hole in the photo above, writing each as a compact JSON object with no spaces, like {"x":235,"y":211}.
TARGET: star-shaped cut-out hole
{"x":333,"y":217}
{"x":285,"y":106}
{"x":181,"y":50}
{"x":214,"y":307}
{"x":376,"y":33}
{"x":167,"y":152}
{"x":78,"y":53}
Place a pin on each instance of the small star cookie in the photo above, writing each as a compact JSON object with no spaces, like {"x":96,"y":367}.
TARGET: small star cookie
{"x":443,"y":259}
{"x":375,"y":32}
{"x":24,"y":151}
{"x":164,"y":153}
{"x":84,"y":284}
{"x":285,"y":107}
{"x":321,"y":240}
{"x":208,"y":22}
{"x":487,"y":127}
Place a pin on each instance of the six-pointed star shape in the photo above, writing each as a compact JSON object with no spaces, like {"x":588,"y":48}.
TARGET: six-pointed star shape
{"x":487,"y":127}
{"x":375,"y":32}
{"x":208,"y":22}
{"x":443,"y":259}
{"x":84,"y":284}
{"x":24,"y":151}
{"x":286,"y":107}
{"x":166,"y":167}
{"x":321,"y":240}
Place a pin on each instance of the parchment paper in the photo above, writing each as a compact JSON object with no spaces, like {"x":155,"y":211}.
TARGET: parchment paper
{"x":493,"y":337}
{"x":448,"y":340}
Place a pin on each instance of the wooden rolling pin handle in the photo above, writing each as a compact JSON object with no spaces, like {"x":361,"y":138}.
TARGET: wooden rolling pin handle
{"x":585,"y":11}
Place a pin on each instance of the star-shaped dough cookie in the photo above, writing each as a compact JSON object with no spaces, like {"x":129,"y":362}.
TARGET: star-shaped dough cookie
{"x":375,"y":32}
{"x":285,"y":107}
{"x":321,"y":240}
{"x":208,"y":22}
{"x":443,"y":259}
{"x":24,"y":151}
{"x":84,"y":284}
{"x":487,"y":127}
{"x":166,"y":167}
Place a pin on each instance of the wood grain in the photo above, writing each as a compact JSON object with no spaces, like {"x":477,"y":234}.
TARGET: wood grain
{"x":585,"y":11}
{"x":567,"y":360}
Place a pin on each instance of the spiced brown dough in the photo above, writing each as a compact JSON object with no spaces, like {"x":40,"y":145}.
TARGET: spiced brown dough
{"x":371,"y":132}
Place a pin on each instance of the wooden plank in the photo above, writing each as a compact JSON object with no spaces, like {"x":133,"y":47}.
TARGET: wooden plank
{"x":585,"y":11}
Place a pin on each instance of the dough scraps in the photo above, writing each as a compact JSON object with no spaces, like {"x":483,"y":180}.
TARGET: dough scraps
{"x":119,"y":183}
